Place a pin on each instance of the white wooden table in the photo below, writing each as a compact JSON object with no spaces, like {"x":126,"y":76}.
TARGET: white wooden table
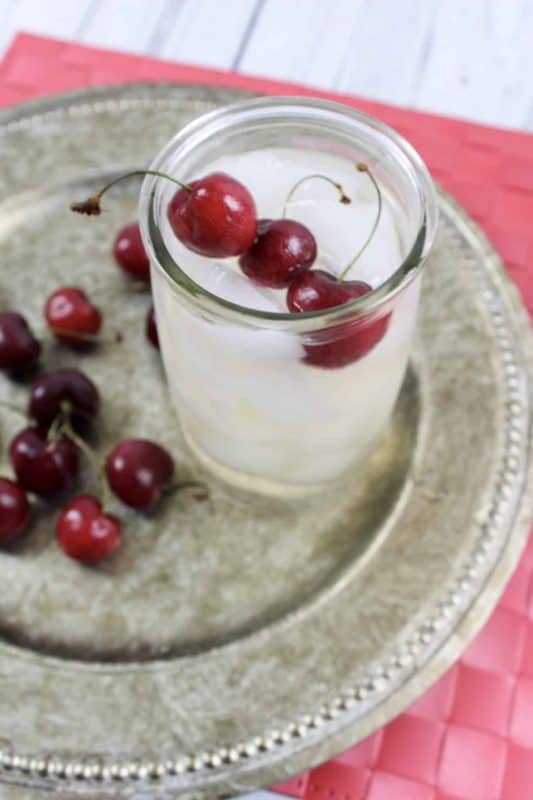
{"x":466,"y":58}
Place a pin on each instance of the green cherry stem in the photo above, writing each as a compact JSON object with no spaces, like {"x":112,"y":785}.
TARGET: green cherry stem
{"x":89,"y":338}
{"x":55,"y":430}
{"x":67,"y":430}
{"x":14,"y":408}
{"x":199,"y":490}
{"x":361,"y":167}
{"x":92,"y":206}
{"x":343,"y":197}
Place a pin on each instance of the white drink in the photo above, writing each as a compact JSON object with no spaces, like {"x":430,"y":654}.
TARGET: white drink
{"x":249,"y":404}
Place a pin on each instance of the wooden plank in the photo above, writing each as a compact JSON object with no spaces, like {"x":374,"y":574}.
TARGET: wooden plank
{"x":387,"y":49}
{"x":57,"y":18}
{"x":207,"y":32}
{"x":480,"y":65}
{"x":469,"y":59}
{"x":301,"y":41}
{"x":122,"y":24}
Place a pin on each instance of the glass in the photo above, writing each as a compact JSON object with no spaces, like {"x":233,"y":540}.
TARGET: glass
{"x":278,"y":403}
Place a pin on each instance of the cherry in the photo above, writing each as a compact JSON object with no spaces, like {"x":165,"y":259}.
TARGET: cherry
{"x":72,"y":317}
{"x":52,"y":389}
{"x":14,"y":510}
{"x":43,"y":467}
{"x":282,"y":250}
{"x":85,"y":533}
{"x":19,"y":349}
{"x":214,"y":216}
{"x":151,"y":328}
{"x":318,"y":290}
{"x":138,"y":470}
{"x":129,"y":252}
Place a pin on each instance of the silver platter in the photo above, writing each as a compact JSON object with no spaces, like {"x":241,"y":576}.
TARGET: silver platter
{"x":227,"y":647}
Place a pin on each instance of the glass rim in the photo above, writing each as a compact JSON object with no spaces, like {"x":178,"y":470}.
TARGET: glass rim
{"x":245,"y":110}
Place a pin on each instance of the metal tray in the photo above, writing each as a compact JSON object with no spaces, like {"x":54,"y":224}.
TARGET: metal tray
{"x":228,"y":646}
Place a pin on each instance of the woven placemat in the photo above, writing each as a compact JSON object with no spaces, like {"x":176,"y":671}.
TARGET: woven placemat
{"x":470,"y":737}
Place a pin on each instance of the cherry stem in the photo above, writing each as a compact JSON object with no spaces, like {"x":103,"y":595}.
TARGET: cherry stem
{"x":361,"y":167}
{"x":13,"y":407}
{"x":90,"y":338}
{"x":202,"y":494}
{"x":138,"y":287}
{"x":56,"y":429}
{"x":92,"y":207}
{"x":135,"y":286}
{"x":67,"y":430}
{"x":83,"y":337}
{"x":343,"y":197}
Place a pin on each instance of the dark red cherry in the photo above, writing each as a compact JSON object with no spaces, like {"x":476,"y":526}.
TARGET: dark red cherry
{"x":19,"y":349}
{"x":319,"y":290}
{"x":45,"y":468}
{"x":282,"y":250}
{"x":130,"y":254}
{"x":53,"y":388}
{"x":85,"y":533}
{"x":216,"y":218}
{"x":14,"y":510}
{"x":151,"y":328}
{"x":138,"y":470}
{"x":72,"y":317}
{"x":344,"y":344}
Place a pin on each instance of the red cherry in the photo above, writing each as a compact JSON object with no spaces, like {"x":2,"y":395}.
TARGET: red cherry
{"x":69,"y":312}
{"x":85,"y":533}
{"x":14,"y":510}
{"x":282,"y":250}
{"x":19,"y":349}
{"x":53,"y":388}
{"x":317,"y":291}
{"x":138,"y":470}
{"x":130,"y":254}
{"x":216,"y":218}
{"x":45,"y":468}
{"x":151,"y":328}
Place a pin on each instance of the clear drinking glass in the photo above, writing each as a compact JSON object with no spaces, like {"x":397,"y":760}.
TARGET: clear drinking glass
{"x":278,"y":403}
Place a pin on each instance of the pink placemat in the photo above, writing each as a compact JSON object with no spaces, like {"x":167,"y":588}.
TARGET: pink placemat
{"x":470,"y":737}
